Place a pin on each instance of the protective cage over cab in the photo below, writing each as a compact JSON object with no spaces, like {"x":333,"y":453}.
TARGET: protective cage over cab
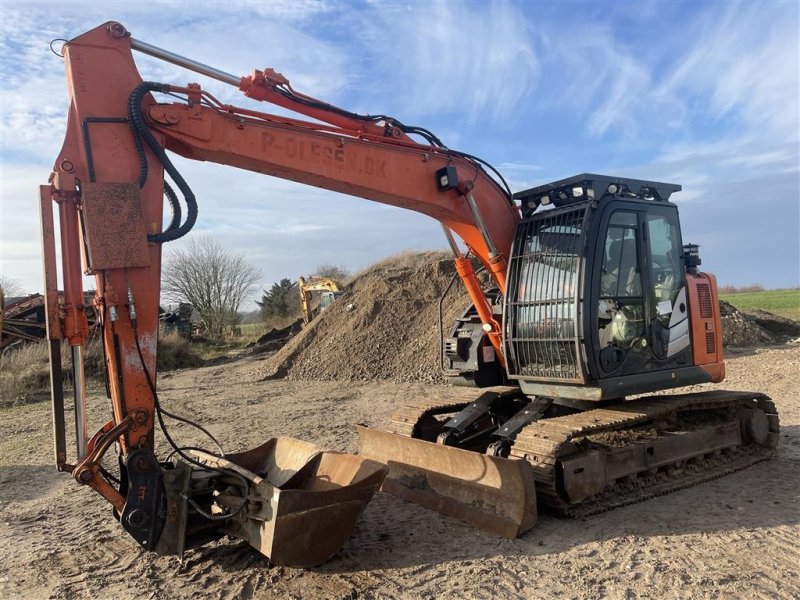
{"x":599,"y":302}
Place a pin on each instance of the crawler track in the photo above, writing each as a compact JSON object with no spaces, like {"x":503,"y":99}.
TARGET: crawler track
{"x":545,"y":443}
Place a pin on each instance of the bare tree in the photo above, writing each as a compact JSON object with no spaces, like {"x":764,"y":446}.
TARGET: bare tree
{"x":336,"y":272}
{"x":211,"y":278}
{"x":10,"y":287}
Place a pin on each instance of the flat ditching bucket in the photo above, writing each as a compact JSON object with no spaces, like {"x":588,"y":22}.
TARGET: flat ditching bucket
{"x":490,"y":493}
{"x":303,"y":502}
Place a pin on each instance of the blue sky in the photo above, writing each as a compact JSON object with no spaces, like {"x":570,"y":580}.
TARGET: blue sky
{"x":705,"y":94}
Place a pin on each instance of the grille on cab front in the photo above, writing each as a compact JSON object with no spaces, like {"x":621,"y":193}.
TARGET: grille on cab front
{"x":542,"y":313}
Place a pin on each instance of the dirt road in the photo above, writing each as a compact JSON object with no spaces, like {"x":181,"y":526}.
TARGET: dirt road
{"x":733,"y":537}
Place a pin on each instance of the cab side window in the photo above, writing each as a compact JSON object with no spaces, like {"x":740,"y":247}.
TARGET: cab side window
{"x":667,"y":268}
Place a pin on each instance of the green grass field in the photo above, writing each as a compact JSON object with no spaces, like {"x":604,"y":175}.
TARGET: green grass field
{"x":785,"y":303}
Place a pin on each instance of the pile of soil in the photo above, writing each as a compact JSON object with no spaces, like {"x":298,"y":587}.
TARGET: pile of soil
{"x":739,"y":330}
{"x":757,"y":328}
{"x":385,"y":328}
{"x":779,"y":327}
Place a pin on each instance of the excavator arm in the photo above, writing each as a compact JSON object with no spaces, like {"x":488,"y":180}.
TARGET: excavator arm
{"x":108,"y":186}
{"x":434,"y":181}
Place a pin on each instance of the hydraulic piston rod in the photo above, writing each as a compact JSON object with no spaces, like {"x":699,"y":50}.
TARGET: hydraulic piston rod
{"x":187,"y":63}
{"x":451,"y":240}
{"x":79,"y":396}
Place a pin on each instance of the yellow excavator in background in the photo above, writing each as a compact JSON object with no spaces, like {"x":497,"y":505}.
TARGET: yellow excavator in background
{"x":330,"y":288}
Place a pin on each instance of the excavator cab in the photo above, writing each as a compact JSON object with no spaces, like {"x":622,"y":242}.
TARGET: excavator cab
{"x":328,"y":298}
{"x":602,"y":299}
{"x":598,"y":301}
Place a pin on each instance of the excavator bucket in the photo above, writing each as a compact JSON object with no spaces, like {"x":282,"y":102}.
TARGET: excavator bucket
{"x":490,"y":493}
{"x":303,"y":502}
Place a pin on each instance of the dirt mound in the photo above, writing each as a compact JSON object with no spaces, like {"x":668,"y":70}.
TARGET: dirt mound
{"x":386,"y":328}
{"x":758,"y":328}
{"x":779,"y":327}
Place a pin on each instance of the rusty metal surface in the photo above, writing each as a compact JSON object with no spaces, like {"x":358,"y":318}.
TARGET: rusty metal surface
{"x":116,"y":234}
{"x":494,"y":494}
{"x":57,"y":405}
{"x":177,"y":483}
{"x":18,"y":307}
{"x":53,"y":325}
{"x":303,"y":503}
{"x":25,"y":317}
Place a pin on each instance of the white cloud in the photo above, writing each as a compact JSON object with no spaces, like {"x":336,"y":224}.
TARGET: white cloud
{"x":449,"y":56}
{"x":284,"y":10}
{"x":592,"y":70}
{"x":730,"y":66}
{"x":744,"y":65}
{"x":31,"y":119}
{"x":520,"y":175}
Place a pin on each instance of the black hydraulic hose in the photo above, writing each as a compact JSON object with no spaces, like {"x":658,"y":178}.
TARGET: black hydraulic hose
{"x":441,"y":313}
{"x":174,"y":205}
{"x":137,"y":142}
{"x":196,"y":426}
{"x":507,"y":190}
{"x":441,"y":321}
{"x":428,"y":135}
{"x":409,"y":129}
{"x":142,"y":131}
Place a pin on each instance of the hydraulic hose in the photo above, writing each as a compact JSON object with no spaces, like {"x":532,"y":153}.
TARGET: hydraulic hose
{"x":142,"y":131}
{"x":174,"y":205}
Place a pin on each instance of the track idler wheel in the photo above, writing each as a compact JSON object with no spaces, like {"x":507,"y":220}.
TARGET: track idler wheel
{"x":755,"y":425}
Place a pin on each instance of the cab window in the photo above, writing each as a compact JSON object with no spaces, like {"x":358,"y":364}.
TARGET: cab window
{"x":620,"y":275}
{"x":665,"y":257}
{"x":620,"y":309}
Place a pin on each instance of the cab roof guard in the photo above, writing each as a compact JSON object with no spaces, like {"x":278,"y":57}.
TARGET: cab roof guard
{"x":591,"y":186}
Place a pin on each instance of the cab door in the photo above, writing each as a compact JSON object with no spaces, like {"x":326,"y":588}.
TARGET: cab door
{"x":638,"y":314}
{"x":668,"y":313}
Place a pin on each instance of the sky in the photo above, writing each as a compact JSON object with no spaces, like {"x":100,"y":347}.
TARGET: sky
{"x":704,"y":94}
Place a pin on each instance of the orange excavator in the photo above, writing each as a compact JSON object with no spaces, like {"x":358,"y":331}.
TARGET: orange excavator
{"x":593,"y":299}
